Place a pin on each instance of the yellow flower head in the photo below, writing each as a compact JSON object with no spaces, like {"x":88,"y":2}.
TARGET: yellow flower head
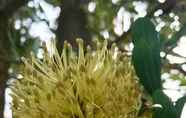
{"x":87,"y":83}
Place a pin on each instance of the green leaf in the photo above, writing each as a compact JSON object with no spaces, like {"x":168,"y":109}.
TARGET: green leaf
{"x":146,"y":54}
{"x":180,"y":104}
{"x":179,"y":78}
{"x":167,"y":109}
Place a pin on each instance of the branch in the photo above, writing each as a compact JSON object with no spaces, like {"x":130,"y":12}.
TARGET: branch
{"x":177,"y":67}
{"x":170,"y":51}
{"x":120,"y":38}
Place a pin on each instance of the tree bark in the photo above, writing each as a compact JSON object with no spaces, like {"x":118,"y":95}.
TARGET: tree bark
{"x":7,"y":9}
{"x":72,"y":23}
{"x":4,"y":65}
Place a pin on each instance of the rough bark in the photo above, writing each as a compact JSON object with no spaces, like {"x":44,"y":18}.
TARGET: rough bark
{"x":7,"y":9}
{"x":72,"y":23}
{"x":4,"y":51}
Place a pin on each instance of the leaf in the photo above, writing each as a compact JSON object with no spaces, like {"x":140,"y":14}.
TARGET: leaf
{"x":167,"y":109}
{"x":181,"y":79}
{"x":180,"y":104}
{"x":146,"y":54}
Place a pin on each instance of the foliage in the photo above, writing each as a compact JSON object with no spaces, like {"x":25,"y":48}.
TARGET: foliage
{"x":179,"y":77}
{"x":96,"y":83}
{"x":167,"y":109}
{"x":147,"y":64}
{"x":180,"y":104}
{"x":146,"y":54}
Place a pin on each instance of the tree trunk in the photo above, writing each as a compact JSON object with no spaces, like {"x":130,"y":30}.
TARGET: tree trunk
{"x":7,"y":9}
{"x":72,"y":23}
{"x":4,"y":65}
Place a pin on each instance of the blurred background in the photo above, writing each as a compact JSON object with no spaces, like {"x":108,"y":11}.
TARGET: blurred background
{"x":25,"y":24}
